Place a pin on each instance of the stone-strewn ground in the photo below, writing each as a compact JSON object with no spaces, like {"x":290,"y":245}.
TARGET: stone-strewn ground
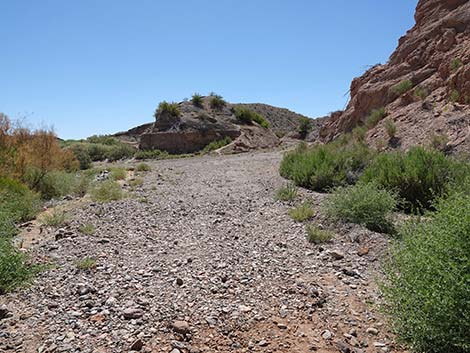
{"x":202,"y":243}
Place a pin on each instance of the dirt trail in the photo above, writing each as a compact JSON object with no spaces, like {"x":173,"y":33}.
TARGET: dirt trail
{"x":204,"y":242}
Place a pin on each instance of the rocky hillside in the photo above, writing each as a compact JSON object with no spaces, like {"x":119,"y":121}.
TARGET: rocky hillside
{"x":424,"y":88}
{"x":195,"y":126}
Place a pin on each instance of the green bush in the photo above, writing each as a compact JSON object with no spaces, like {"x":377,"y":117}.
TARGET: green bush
{"x":248,"y":116}
{"x":363,"y":203}
{"x":81,"y":153}
{"x":454,"y":96}
{"x":87,"y":228}
{"x":302,"y":212}
{"x":421,"y":93}
{"x":121,"y":151}
{"x":143,"y":167}
{"x":216,"y":101}
{"x":54,"y":184}
{"x":151,"y":154}
{"x":418,"y":176}
{"x":103,"y":140}
{"x":215,"y":145}
{"x":86,"y":264}
{"x":14,"y":268}
{"x":118,"y":173}
{"x":317,"y":235}
{"x":287,"y":192}
{"x":197,"y":100}
{"x":374,"y":117}
{"x":359,"y":133}
{"x":325,"y":166}
{"x":171,"y":109}
{"x":17,"y":203}
{"x":402,"y":87}
{"x":106,"y":191}
{"x":54,"y":219}
{"x":427,"y":282}
{"x":305,"y":126}
{"x":439,"y":141}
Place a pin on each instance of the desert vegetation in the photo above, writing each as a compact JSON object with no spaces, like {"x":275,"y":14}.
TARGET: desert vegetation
{"x":402,"y":87}
{"x":248,"y":116}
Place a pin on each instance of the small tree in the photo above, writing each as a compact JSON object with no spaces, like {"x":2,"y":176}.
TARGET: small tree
{"x":305,"y":126}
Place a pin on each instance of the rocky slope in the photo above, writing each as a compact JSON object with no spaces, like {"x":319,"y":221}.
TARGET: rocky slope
{"x":433,"y":60}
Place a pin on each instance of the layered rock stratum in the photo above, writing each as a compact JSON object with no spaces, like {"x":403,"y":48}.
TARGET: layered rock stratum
{"x":434,"y":56}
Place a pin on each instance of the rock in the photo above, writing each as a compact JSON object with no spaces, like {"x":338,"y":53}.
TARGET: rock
{"x":327,"y":335}
{"x":137,"y":345}
{"x":282,"y":326}
{"x":336,"y":254}
{"x":372,"y":331}
{"x":363,"y":251}
{"x":175,"y":350}
{"x":181,"y":327}
{"x":263,"y":343}
{"x":244,"y":308}
{"x":4,"y":312}
{"x":179,"y":281}
{"x":343,"y":347}
{"x":132,"y":313}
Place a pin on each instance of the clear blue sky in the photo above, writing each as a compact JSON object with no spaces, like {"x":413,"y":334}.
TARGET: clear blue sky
{"x":100,"y":66}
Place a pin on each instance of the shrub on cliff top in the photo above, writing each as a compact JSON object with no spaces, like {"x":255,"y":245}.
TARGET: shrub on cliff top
{"x":171,"y":109}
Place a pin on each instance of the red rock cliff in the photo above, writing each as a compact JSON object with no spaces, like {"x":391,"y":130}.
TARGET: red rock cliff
{"x":433,"y":58}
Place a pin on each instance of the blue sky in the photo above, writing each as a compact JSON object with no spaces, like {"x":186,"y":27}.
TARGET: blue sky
{"x":94,"y":67}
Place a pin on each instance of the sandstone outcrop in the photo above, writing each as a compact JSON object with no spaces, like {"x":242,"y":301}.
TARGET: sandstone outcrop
{"x":433,"y":59}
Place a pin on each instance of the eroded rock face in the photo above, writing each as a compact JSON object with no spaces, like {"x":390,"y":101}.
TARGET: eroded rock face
{"x":196,"y":127}
{"x":435,"y":56}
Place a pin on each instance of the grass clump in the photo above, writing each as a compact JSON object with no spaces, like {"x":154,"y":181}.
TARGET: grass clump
{"x":14,"y":268}
{"x":248,"y":116}
{"x":402,"y":87}
{"x":391,"y":129}
{"x":418,"y":176}
{"x":136,"y":182}
{"x":217,"y":102}
{"x":86,"y":264}
{"x":87,"y":228}
{"x":455,"y":64}
{"x":359,"y":133}
{"x":118,"y":173}
{"x":421,"y":93}
{"x":197,"y":100}
{"x":106,"y":191}
{"x":365,"y":204}
{"x":427,"y":280}
{"x":287,"y":192}
{"x":316,"y":235}
{"x":17,"y":202}
{"x":439,"y":141}
{"x":305,"y":126}
{"x":454,"y":96}
{"x":143,"y":167}
{"x":302,"y":212}
{"x":374,"y":117}
{"x":215,"y":145}
{"x":54,"y":219}
{"x":171,"y":109}
{"x":325,"y":166}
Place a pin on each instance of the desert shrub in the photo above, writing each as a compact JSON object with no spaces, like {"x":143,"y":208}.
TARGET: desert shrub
{"x":81,"y":154}
{"x":120,"y":151}
{"x":305,"y":125}
{"x":118,"y":173}
{"x":421,"y":92}
{"x":359,"y":133}
{"x":302,"y":212}
{"x":86,"y":264}
{"x":216,"y":102}
{"x":454,"y":96}
{"x":374,"y":117}
{"x":455,"y":64}
{"x":197,"y":100}
{"x":438,"y":141}
{"x":136,"y":182}
{"x":14,"y":268}
{"x":143,"y":167}
{"x":402,"y":87}
{"x":390,"y":128}
{"x":106,"y":191}
{"x":171,"y":109}
{"x":54,"y":184}
{"x":427,"y":280}
{"x":248,"y":116}
{"x":215,"y":145}
{"x":17,"y":203}
{"x":324,"y":166}
{"x":287,"y":192}
{"x":54,"y":219}
{"x":97,"y":151}
{"x":87,"y":228}
{"x":82,"y":183}
{"x":151,"y":154}
{"x":418,"y":176}
{"x":317,"y":235}
{"x":103,"y":140}
{"x":363,"y":203}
